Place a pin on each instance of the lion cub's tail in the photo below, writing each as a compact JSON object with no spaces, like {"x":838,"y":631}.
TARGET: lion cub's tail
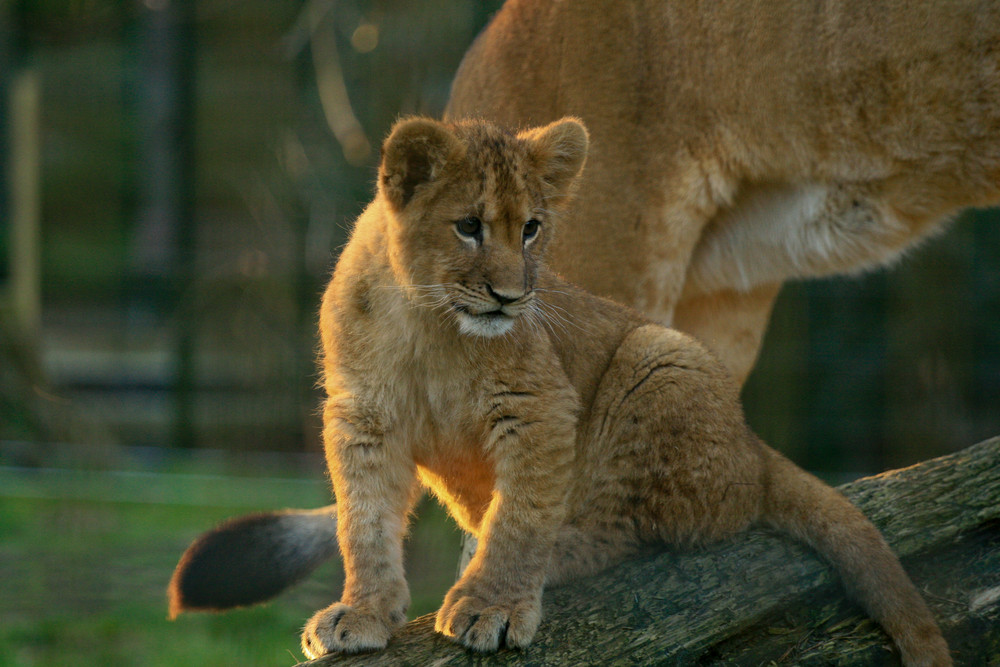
{"x":798,"y":503}
{"x":251,"y":559}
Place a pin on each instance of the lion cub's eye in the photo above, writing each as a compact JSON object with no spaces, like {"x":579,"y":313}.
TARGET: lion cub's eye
{"x":530,"y":230}
{"x":471,"y":227}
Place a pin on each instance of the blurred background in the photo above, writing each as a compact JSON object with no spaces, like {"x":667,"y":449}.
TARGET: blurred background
{"x":175,"y":181}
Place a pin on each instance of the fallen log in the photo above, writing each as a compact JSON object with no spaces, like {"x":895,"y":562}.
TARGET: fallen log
{"x":763,"y":599}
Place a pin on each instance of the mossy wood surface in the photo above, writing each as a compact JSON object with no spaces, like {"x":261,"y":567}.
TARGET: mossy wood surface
{"x":763,"y":599}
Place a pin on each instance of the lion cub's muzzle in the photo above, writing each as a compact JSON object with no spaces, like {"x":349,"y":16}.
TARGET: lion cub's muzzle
{"x":491,"y":312}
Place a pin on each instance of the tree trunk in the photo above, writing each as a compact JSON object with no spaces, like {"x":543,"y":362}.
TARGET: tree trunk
{"x":763,"y":599}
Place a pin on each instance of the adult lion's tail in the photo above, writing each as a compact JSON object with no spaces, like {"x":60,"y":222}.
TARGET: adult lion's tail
{"x":251,"y":559}
{"x":798,"y":503}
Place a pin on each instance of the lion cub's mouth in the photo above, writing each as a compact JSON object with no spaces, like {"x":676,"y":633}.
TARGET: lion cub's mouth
{"x":487,"y":323}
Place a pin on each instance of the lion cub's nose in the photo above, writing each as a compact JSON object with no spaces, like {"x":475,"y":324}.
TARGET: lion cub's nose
{"x":504,"y":296}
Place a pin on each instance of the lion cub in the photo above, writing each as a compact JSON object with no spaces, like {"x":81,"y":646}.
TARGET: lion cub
{"x":561,"y":429}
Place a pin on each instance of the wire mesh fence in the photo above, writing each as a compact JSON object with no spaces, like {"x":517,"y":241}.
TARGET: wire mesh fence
{"x":201,"y":164}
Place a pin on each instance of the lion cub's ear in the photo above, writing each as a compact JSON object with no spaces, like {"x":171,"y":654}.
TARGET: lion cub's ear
{"x":414,"y":154}
{"x":560,"y":149}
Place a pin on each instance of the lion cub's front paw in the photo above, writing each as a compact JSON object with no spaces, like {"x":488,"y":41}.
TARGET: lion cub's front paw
{"x":344,"y":629}
{"x":486,"y":625}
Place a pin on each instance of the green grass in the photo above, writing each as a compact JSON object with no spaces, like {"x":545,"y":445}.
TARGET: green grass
{"x":84,"y":581}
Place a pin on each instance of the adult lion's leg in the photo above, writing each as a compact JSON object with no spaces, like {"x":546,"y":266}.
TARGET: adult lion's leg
{"x":631,"y":239}
{"x":769,"y":233}
{"x":730,"y":322}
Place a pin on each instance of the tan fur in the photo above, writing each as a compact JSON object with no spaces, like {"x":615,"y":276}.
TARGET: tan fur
{"x":737,"y":144}
{"x":561,"y":429}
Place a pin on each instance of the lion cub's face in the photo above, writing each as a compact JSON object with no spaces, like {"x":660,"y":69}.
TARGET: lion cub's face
{"x":472,"y":209}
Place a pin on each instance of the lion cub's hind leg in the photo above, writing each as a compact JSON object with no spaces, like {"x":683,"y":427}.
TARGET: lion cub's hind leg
{"x":667,"y":454}
{"x":668,"y":457}
{"x":586,"y":547}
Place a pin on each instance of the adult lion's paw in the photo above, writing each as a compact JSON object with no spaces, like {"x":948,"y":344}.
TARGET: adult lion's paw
{"x":487,"y":625}
{"x":344,"y":629}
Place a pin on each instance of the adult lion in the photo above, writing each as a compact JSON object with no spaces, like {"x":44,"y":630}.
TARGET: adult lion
{"x":737,"y":144}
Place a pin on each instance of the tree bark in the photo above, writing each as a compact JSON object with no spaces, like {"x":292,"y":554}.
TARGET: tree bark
{"x":763,"y":599}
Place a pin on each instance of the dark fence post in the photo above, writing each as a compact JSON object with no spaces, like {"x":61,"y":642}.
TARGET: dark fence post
{"x":163,"y":250}
{"x":6,"y":66}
